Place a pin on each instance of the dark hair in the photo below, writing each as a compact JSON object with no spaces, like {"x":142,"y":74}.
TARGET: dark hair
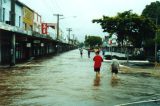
{"x":97,"y":52}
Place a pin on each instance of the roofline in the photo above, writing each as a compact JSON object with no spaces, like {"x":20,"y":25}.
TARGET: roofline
{"x":24,"y":5}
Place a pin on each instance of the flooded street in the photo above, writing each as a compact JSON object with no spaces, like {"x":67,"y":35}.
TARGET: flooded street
{"x":69,"y":80}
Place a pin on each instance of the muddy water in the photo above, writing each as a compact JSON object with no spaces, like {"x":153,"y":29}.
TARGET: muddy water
{"x":69,"y":80}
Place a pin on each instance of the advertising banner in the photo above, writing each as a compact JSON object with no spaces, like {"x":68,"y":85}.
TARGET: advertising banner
{"x":44,"y":28}
{"x":28,"y":16}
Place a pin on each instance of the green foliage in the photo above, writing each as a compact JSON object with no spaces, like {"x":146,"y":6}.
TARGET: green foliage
{"x":93,"y":41}
{"x":128,"y":26}
{"x":81,"y":45}
{"x":152,"y":11}
{"x":158,"y":37}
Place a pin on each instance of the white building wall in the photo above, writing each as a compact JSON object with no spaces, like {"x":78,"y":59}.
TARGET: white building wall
{"x":6,"y":4}
{"x":0,"y":10}
{"x":19,"y":15}
{"x":52,"y":33}
{"x":37,"y":23}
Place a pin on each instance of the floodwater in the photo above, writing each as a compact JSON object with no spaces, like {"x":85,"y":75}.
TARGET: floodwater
{"x":69,"y":80}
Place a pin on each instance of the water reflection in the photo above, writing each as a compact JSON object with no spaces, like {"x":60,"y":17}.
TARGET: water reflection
{"x":114,"y":82}
{"x":97,"y":81}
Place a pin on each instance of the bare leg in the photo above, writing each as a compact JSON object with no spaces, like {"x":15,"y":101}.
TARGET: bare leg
{"x":113,"y":76}
{"x":97,"y":74}
{"x":116,"y":76}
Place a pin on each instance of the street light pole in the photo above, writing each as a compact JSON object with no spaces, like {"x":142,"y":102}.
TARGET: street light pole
{"x":58,"y":15}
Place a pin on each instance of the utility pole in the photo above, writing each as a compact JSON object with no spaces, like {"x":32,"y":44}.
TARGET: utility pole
{"x":73,"y":40}
{"x":69,"y":32}
{"x":58,"y":15}
{"x":13,"y":38}
{"x":156,"y":41}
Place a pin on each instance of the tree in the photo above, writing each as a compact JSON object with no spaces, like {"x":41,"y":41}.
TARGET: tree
{"x":80,"y":45}
{"x":158,"y":37}
{"x":129,"y":27}
{"x":152,"y":12}
{"x":93,"y":41}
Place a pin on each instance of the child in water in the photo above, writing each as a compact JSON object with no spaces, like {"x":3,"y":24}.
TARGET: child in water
{"x":97,"y":63}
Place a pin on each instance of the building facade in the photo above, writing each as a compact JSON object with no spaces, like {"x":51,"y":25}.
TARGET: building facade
{"x":5,"y":8}
{"x":19,"y":15}
{"x":37,"y":23}
{"x":23,"y":28}
{"x":24,"y":40}
{"x":0,"y":10}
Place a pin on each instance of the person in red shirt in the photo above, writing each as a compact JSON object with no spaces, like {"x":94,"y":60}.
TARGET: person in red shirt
{"x":97,"y":63}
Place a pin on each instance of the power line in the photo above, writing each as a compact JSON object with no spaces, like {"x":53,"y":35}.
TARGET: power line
{"x":56,"y":3}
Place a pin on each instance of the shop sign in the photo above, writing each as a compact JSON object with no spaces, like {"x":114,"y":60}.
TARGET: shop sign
{"x":44,"y":28}
{"x":28,"y":16}
{"x":28,"y":45}
{"x":42,"y":44}
{"x":36,"y":41}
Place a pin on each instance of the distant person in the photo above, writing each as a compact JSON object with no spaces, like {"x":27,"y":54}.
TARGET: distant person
{"x":97,"y":63}
{"x":89,"y":53}
{"x":103,"y":51}
{"x":115,"y":68}
{"x":81,"y":52}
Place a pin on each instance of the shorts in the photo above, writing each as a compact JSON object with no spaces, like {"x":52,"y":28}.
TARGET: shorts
{"x":115,"y":71}
{"x":97,"y":69}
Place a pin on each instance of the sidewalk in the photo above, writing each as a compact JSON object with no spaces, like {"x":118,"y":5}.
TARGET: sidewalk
{"x":115,"y":53}
{"x":4,"y":66}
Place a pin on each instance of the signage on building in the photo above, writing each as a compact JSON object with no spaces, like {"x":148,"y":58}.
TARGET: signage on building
{"x":36,"y":41}
{"x":110,"y":42}
{"x":28,"y":45}
{"x":44,"y":28}
{"x":28,"y":16}
{"x":42,"y":44}
{"x":52,"y":25}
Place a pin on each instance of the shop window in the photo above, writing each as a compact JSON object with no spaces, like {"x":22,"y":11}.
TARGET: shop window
{"x":24,"y":26}
{"x":19,"y":21}
{"x":4,"y":1}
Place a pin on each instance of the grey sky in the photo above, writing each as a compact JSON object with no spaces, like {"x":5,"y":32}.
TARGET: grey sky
{"x":85,"y":11}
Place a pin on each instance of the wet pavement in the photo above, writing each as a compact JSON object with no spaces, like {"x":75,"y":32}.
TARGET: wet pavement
{"x":69,"y":80}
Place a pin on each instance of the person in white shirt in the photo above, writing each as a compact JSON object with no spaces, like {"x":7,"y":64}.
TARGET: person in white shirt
{"x":115,"y":68}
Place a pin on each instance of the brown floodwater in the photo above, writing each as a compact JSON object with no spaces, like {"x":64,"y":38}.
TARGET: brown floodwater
{"x":69,"y":80}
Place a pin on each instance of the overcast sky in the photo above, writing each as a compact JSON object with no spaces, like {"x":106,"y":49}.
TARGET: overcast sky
{"x":80,"y":13}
